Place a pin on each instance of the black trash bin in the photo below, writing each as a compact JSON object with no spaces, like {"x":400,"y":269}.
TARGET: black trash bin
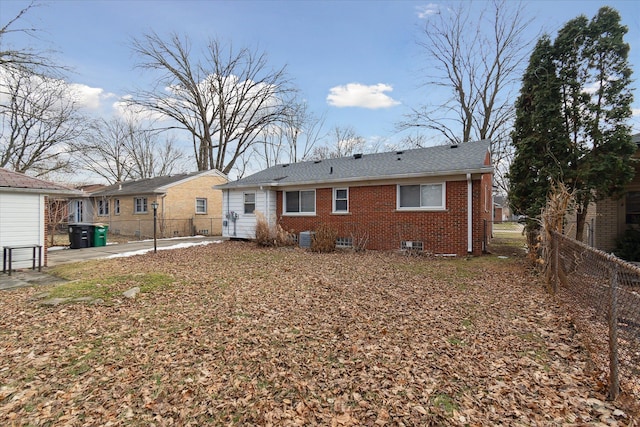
{"x":79,"y":236}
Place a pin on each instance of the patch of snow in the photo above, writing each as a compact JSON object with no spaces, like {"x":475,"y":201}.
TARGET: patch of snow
{"x":178,"y":246}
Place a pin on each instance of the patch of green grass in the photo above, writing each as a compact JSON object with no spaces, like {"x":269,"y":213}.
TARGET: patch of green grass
{"x":456,"y":341}
{"x":107,"y":287}
{"x":446,"y":402}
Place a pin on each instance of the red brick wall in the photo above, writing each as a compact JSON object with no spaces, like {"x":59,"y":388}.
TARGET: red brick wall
{"x":372,"y":209}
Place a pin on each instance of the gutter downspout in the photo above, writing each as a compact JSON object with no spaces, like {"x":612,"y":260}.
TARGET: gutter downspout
{"x":266,"y":205}
{"x":228,"y":211}
{"x":469,"y":214}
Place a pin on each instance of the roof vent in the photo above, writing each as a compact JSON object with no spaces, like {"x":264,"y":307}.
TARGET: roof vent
{"x":399,"y":152}
{"x":317,"y":161}
{"x":357,"y":156}
{"x":454,"y":146}
{"x":285,"y":165}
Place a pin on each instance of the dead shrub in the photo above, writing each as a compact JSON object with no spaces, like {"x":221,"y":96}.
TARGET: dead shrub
{"x":270,"y":235}
{"x":324,"y":239}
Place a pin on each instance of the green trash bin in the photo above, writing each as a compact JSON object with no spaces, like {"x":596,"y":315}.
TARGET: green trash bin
{"x":100,"y":235}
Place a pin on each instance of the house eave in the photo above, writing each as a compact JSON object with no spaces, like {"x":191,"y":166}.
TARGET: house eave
{"x":43,"y":191}
{"x":330,"y":182}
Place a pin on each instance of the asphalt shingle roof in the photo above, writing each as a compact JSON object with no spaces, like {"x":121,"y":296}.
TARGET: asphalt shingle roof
{"x":141,"y":186}
{"x":16,"y":180}
{"x":431,"y":161}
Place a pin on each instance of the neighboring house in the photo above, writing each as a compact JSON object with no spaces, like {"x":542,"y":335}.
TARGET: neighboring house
{"x":80,"y":210}
{"x":24,"y":212}
{"x":187,"y":204}
{"x":501,"y":211}
{"x":610,"y":218}
{"x":432,"y":199}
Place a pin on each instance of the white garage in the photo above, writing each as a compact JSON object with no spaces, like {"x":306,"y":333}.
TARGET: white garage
{"x":23,"y":222}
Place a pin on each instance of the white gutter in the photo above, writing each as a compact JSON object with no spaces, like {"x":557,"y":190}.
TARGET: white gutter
{"x":469,"y":214}
{"x":355,"y":179}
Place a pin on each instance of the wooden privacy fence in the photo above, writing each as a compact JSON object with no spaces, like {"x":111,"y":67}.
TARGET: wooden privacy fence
{"x":602,"y":288}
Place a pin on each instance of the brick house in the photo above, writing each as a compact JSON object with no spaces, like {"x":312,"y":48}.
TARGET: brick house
{"x":24,"y":212}
{"x":187,"y":204}
{"x":609,"y":218}
{"x":433,"y":199}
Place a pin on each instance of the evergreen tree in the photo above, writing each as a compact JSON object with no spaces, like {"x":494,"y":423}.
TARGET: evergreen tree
{"x":541,"y":147}
{"x":590,"y":140}
{"x":606,"y":167}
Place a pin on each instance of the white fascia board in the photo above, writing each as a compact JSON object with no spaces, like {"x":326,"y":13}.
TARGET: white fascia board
{"x":372,"y":179}
{"x":70,"y":193}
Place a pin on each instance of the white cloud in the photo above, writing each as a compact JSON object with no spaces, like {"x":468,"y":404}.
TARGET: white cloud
{"x":426,"y":11}
{"x":359,"y":95}
{"x":635,"y":112}
{"x":126,"y":111}
{"x":88,"y":97}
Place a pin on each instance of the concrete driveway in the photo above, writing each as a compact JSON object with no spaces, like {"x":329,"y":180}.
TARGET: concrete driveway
{"x":55,"y":256}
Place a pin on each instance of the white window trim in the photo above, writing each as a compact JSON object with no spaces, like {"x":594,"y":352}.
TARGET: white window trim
{"x":333,"y":200}
{"x":284,"y":204}
{"x":206,"y":206}
{"x":135,"y":206}
{"x":442,"y":207}
{"x":116,"y":206}
{"x":105,"y":203}
{"x":255,"y":202}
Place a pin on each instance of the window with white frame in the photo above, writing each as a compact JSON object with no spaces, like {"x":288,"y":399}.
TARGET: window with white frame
{"x":421,"y":196}
{"x":116,"y":206}
{"x":300,"y":202}
{"x":249,"y":203}
{"x":140,"y":205}
{"x":340,"y":200}
{"x":201,"y":205}
{"x":103,"y":207}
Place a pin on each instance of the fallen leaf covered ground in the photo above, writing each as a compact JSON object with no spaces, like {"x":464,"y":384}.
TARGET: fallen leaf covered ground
{"x":240,"y":335}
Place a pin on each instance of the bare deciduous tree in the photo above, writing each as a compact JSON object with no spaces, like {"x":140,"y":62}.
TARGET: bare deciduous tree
{"x":476,"y":58}
{"x":120,"y":149}
{"x":39,"y":119}
{"x":225,"y":99}
{"x":345,"y":143}
{"x":289,"y":141}
{"x":24,"y":58}
{"x":303,"y":130}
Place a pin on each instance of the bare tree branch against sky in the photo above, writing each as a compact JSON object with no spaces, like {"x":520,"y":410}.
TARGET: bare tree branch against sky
{"x":357,"y":64}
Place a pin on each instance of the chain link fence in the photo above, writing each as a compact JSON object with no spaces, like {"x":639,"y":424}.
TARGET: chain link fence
{"x":165,"y":228}
{"x":604,"y":294}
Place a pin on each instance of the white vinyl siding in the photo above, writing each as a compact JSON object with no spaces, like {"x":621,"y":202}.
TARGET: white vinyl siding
{"x":22,"y":223}
{"x":421,"y":196}
{"x":245,"y":224}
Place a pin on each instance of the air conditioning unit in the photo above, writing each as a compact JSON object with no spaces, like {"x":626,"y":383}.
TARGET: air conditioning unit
{"x":305,"y":239}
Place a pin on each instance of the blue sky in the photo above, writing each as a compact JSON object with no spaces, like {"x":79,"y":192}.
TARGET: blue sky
{"x":330,"y":48}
